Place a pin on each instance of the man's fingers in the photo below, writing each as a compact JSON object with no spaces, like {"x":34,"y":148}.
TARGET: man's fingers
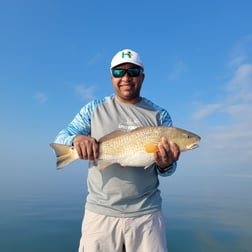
{"x":87,"y":148}
{"x":78,"y":149}
{"x":95,"y":150}
{"x":175,"y":150}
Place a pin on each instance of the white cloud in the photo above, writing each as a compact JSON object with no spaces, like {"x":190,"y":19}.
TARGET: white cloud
{"x":206,"y":110}
{"x":243,"y":75}
{"x":241,"y":51}
{"x":86,"y":93}
{"x":179,"y":69}
{"x":236,"y":61}
{"x":94,"y":59}
{"x":240,"y":86}
{"x":236,"y":101}
{"x":240,"y":112}
{"x":40,"y":97}
{"x":228,"y":143}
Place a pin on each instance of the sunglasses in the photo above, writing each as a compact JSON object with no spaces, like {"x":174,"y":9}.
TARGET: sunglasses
{"x":132,"y":72}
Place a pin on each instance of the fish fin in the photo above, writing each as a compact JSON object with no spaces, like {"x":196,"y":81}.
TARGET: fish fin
{"x":65,"y":154}
{"x":102,"y":164}
{"x":113,"y":134}
{"x":151,"y":148}
{"x":148,"y":165}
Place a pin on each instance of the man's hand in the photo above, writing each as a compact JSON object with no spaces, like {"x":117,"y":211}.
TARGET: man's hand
{"x":168,"y":153}
{"x":87,"y":147}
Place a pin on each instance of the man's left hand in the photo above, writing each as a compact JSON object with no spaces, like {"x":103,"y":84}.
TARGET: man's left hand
{"x":168,"y":153}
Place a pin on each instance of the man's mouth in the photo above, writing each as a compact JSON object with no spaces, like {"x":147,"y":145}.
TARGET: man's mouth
{"x":125,"y":85}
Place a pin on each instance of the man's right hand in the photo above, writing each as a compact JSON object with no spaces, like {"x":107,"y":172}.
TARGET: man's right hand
{"x":87,"y":147}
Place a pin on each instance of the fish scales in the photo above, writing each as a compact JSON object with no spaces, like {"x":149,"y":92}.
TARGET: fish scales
{"x":134,"y":140}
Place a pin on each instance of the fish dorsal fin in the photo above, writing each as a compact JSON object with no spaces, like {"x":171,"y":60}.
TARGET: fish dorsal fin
{"x":113,"y":134}
{"x":151,"y":148}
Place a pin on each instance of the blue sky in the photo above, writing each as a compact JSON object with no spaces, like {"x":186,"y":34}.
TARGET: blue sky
{"x":55,"y":56}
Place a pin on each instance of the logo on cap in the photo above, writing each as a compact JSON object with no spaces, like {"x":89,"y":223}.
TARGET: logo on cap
{"x":129,"y":54}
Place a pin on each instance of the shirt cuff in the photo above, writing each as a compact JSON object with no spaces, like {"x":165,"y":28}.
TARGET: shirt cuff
{"x":168,"y":170}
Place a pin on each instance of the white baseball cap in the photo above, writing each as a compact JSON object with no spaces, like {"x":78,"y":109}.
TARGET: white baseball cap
{"x":126,"y":56}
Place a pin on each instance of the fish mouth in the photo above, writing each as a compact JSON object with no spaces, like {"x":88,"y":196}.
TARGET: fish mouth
{"x":192,"y":146}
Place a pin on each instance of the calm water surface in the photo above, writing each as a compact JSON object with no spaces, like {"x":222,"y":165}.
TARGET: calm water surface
{"x":196,"y":222}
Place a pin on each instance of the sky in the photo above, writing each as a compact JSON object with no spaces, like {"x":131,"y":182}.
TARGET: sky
{"x":55,"y":57}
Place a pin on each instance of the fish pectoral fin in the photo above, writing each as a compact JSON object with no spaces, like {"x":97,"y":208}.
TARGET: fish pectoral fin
{"x":102,"y":164}
{"x":148,"y":165}
{"x":151,"y":148}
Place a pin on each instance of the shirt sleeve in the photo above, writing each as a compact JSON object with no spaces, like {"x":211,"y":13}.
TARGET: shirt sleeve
{"x":80,"y":125}
{"x":165,"y":120}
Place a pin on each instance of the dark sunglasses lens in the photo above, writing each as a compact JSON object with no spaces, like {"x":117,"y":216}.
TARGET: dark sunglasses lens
{"x":118,"y":72}
{"x":134,"y":72}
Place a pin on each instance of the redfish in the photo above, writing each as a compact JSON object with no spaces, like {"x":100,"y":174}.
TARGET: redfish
{"x":133,"y":148}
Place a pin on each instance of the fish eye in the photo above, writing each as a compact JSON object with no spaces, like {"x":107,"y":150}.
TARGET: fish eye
{"x":187,"y":136}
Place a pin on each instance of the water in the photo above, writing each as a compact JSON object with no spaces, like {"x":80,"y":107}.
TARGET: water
{"x":210,"y":213}
{"x":40,"y":224}
{"x":203,"y":224}
{"x":197,"y":221}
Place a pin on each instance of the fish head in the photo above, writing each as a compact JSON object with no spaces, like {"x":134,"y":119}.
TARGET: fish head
{"x":185,"y":140}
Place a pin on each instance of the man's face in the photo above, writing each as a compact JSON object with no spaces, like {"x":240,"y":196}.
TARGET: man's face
{"x":128,"y":88}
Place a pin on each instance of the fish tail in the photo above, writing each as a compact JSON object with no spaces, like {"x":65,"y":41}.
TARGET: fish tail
{"x":65,"y":154}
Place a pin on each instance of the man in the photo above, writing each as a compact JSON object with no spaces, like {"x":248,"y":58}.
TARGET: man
{"x":123,"y":206}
